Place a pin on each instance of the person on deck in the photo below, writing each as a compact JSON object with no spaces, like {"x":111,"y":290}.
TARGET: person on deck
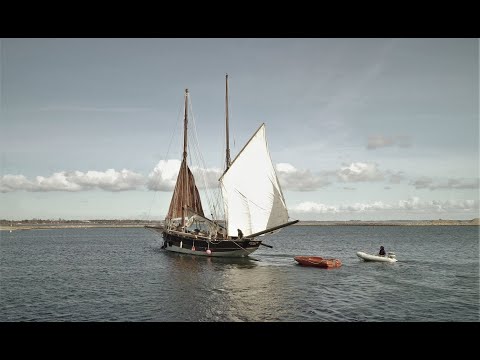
{"x":382,"y":251}
{"x":240,"y":233}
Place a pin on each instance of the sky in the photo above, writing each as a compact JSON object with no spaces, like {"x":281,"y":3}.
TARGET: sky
{"x":358,"y":129}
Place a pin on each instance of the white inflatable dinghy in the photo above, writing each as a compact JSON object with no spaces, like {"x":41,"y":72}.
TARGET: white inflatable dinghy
{"x":390,"y":257}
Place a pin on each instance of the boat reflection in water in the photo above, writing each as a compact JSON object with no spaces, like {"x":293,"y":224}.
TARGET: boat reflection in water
{"x":258,"y":296}
{"x":224,"y":289}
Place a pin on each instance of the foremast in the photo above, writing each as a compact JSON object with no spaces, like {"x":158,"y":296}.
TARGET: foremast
{"x":228,"y":160}
{"x":252,"y":195}
{"x":184,"y":160}
{"x":185,"y":195}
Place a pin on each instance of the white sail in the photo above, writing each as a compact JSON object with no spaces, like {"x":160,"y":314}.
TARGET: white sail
{"x":251,"y":192}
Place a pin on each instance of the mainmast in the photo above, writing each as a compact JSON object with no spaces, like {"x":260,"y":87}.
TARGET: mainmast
{"x":227,"y":160}
{"x":184,"y":162}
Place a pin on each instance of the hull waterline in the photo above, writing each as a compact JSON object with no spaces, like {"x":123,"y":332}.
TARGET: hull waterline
{"x":233,"y":253}
{"x":187,"y":243}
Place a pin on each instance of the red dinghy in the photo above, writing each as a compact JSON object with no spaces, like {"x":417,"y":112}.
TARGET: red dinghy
{"x":318,"y":261}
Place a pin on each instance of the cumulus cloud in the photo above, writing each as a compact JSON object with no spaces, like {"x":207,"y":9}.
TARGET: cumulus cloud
{"x":285,"y":168}
{"x":303,"y":180}
{"x":10,"y":183}
{"x":110,"y":180}
{"x":358,"y":171}
{"x":411,"y":204}
{"x":379,"y":141}
{"x":428,"y":183}
{"x":164,"y":176}
{"x":313,"y":207}
{"x":300,"y":180}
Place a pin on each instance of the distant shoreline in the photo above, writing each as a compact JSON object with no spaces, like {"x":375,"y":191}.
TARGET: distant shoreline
{"x":46,"y":227}
{"x":439,"y":222}
{"x":78,"y":224}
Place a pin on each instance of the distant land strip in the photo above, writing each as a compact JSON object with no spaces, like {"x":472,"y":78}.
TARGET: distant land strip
{"x":9,"y":225}
{"x":439,"y":222}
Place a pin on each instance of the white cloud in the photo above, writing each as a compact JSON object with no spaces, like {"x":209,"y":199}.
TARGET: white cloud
{"x":379,"y":141}
{"x":412,"y":204}
{"x":109,"y":180}
{"x":300,"y":180}
{"x":303,"y":180}
{"x":10,"y":183}
{"x":285,"y":168}
{"x":164,"y":176}
{"x":357,"y":172}
{"x":377,"y":205}
{"x":56,"y":182}
{"x":428,"y":183}
{"x":312,"y":207}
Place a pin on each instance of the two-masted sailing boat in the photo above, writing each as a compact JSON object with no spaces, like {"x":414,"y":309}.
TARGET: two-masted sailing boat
{"x":253,"y":202}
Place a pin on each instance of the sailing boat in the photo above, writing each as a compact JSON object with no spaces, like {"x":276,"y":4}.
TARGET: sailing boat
{"x":253,"y":202}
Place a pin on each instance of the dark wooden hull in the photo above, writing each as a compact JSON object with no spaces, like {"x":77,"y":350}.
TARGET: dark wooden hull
{"x":202,"y":246}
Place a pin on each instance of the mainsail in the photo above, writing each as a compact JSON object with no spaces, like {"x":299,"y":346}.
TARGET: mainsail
{"x":251,"y":192}
{"x":185,"y":194}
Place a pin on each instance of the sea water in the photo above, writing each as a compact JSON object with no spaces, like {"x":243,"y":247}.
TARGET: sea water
{"x":122,"y":274}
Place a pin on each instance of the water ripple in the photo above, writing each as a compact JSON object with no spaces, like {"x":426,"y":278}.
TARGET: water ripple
{"x":124,"y":275}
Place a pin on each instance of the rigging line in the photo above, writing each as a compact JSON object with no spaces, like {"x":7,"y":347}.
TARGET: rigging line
{"x":231,"y":116}
{"x":201,"y":161}
{"x":151,"y":204}
{"x":178,"y":123}
{"x":224,"y":205}
{"x":239,"y":246}
{"x":193,"y":153}
{"x":164,"y":159}
{"x":249,"y":201}
{"x":213,"y":195}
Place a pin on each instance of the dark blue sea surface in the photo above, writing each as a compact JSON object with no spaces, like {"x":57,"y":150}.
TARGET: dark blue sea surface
{"x":121,"y":274}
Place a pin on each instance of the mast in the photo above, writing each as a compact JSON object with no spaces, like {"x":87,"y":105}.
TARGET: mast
{"x":227,"y":160}
{"x":186,"y":192}
{"x":184,"y":162}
